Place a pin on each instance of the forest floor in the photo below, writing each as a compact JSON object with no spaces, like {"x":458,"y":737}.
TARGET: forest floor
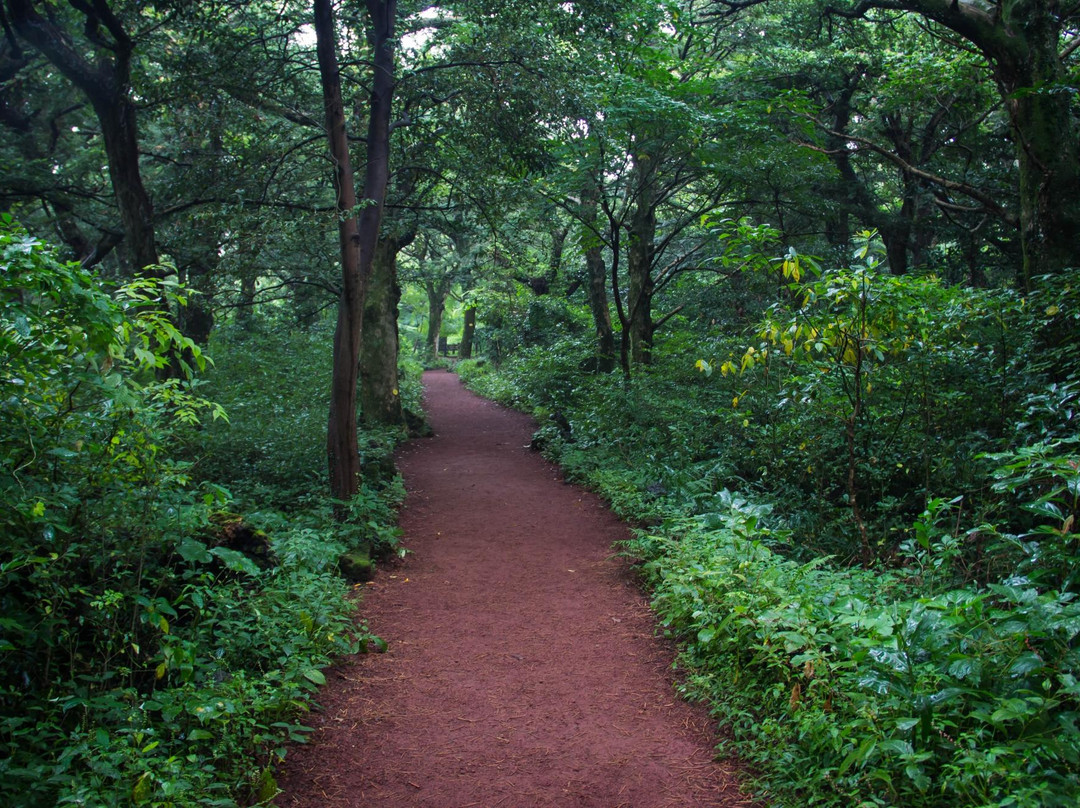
{"x":523,"y":667}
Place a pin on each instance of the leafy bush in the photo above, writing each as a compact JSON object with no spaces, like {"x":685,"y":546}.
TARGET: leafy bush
{"x":143,"y":658}
{"x":944,"y":672}
{"x":844,"y":689}
{"x":274,"y":383}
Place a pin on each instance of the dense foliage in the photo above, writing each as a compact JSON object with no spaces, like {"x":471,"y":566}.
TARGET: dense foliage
{"x":156,"y":648}
{"x":859,"y":519}
{"x":856,"y":475}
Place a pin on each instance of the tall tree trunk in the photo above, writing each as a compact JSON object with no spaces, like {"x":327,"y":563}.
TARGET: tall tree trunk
{"x":1043,"y":129}
{"x":196,"y":320}
{"x":1020,"y":39}
{"x":597,"y":281}
{"x":639,"y":263}
{"x":468,"y":334}
{"x":380,"y":401}
{"x":896,"y":236}
{"x":558,"y":245}
{"x":118,"y":131}
{"x":307,"y":302}
{"x":357,"y":237}
{"x":436,"y":295}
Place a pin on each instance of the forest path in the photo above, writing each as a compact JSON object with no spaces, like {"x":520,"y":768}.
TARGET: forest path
{"x":522,"y":667}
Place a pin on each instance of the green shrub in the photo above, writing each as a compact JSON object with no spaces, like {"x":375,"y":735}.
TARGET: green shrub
{"x":945,"y":672}
{"x":143,"y":660}
{"x":274,"y":381}
{"x":843,"y":689}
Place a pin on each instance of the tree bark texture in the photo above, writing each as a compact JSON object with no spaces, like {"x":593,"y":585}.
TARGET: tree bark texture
{"x":468,"y":334}
{"x":357,"y":235}
{"x":558,"y":244}
{"x":1039,"y":112}
{"x":436,"y":290}
{"x":639,"y":263}
{"x":1020,"y":39}
{"x":380,"y":400}
{"x":597,"y":281}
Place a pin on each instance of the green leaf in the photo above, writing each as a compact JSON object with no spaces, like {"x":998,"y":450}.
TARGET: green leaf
{"x":1026,"y":663}
{"x":235,"y":561}
{"x":141,"y":791}
{"x":858,"y":756}
{"x":192,"y":550}
{"x":315,"y":676}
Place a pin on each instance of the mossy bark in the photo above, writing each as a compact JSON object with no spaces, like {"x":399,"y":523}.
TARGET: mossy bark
{"x":1021,"y":40}
{"x":597,"y":280}
{"x":639,"y":263}
{"x":380,"y":401}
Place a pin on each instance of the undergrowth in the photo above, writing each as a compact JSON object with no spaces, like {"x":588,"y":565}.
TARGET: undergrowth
{"x":160,"y":639}
{"x":931,"y":661}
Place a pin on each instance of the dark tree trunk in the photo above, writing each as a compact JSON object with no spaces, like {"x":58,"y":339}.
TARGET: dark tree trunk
{"x":895,"y":237}
{"x":1049,"y":181}
{"x":380,"y":401}
{"x":597,"y":281}
{"x":107,"y":85}
{"x":358,"y":237}
{"x":437,"y":291}
{"x":639,"y":264}
{"x":468,"y":333}
{"x":838,"y":217}
{"x":118,"y":130}
{"x":1020,"y":39}
{"x":307,"y":301}
{"x":558,"y":245}
{"x":196,"y":319}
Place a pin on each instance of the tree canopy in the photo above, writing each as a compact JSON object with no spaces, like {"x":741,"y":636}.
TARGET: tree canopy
{"x":793,"y":282}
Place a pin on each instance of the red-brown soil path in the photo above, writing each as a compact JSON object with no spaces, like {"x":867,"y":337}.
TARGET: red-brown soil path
{"x":522,"y":667}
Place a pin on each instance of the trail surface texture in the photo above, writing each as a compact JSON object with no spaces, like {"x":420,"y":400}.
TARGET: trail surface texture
{"x":522,"y":667}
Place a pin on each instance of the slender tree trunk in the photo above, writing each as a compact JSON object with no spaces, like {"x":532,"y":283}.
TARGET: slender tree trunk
{"x":306,"y":302}
{"x":357,"y":237}
{"x":616,"y":293}
{"x":896,"y":247}
{"x":1049,"y":180}
{"x":436,"y":295}
{"x":196,"y":320}
{"x":120,"y":135}
{"x":558,"y":245}
{"x":597,"y":282}
{"x":380,"y":401}
{"x":857,"y":344}
{"x":639,"y":264}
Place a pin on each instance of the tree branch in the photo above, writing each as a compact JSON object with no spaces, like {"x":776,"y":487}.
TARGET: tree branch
{"x":985,"y":199}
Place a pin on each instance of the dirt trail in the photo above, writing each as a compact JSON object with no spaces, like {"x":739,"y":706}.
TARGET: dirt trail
{"x":522,"y":668}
